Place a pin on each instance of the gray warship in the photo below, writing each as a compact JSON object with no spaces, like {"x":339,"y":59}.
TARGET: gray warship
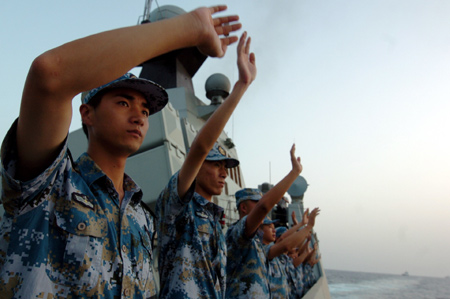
{"x":172,"y":130}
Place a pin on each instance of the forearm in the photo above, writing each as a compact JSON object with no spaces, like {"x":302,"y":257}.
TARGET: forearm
{"x":207,"y":136}
{"x":300,"y":259}
{"x":287,"y":244}
{"x":274,"y":195}
{"x":97,"y":59}
{"x":292,"y":230}
{"x":217,"y":121}
{"x":270,"y":199}
{"x":56,"y":76}
{"x":309,"y":258}
{"x":298,"y":238}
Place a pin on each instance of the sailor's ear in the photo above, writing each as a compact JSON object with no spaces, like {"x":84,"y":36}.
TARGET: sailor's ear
{"x":243,"y":207}
{"x":86,"y":113}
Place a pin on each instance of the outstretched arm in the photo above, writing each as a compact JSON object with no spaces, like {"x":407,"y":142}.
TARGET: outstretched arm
{"x":311,"y":256}
{"x":303,"y":253}
{"x":212,"y":129}
{"x":299,"y":224}
{"x":56,"y":76}
{"x":295,"y":240}
{"x":268,"y":201}
{"x":294,"y":218}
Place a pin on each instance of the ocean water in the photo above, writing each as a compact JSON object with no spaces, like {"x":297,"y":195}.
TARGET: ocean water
{"x":360,"y":285}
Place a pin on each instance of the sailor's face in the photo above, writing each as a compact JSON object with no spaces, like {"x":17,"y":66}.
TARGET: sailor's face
{"x":211,"y":179}
{"x":120,"y":122}
{"x":269,"y":233}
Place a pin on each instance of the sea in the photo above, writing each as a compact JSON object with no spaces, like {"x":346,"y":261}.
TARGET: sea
{"x":361,"y":285}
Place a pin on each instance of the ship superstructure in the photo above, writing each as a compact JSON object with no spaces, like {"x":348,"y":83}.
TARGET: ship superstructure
{"x":173,"y":129}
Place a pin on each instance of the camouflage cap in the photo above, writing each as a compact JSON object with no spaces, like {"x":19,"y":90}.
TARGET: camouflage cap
{"x":280,"y":230}
{"x":155,"y":94}
{"x":247,"y":194}
{"x":217,"y":153}
{"x":267,"y":221}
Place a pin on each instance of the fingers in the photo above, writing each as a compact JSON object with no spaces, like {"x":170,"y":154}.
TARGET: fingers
{"x":316,"y":211}
{"x":244,"y":48}
{"x":247,"y":45}
{"x":305,"y":216}
{"x":292,"y":153}
{"x":252,"y":58}
{"x":224,"y":21}
{"x":228,"y":40}
{"x":241,"y":42}
{"x":293,"y":158}
{"x":225,"y":25}
{"x":217,"y":8}
{"x":226,"y":28}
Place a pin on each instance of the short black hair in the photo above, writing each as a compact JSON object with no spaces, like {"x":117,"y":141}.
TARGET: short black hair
{"x":94,"y":102}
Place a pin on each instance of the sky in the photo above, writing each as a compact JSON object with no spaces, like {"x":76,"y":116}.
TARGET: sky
{"x":361,"y":87}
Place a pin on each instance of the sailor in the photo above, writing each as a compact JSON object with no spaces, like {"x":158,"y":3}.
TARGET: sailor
{"x":312,"y":258}
{"x":276,"y":274}
{"x":192,"y":249}
{"x":290,"y":262}
{"x":287,"y":263}
{"x":246,"y":269}
{"x":79,"y":229}
{"x":276,"y":271}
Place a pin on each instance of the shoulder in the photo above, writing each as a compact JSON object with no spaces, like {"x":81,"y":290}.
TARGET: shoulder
{"x":45,"y":186}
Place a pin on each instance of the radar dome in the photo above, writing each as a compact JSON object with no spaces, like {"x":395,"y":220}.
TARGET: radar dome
{"x":217,"y":85}
{"x":165,"y":12}
{"x":298,"y":188}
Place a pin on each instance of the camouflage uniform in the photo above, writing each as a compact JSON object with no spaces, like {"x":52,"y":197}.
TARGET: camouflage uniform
{"x":293,"y":277}
{"x":246,"y":264}
{"x":277,"y":276}
{"x":64,"y":234}
{"x":309,"y":278}
{"x":300,"y":278}
{"x":192,"y":251}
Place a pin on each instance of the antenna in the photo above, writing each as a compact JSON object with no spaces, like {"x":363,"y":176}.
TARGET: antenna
{"x":270,"y":172}
{"x":145,"y":18}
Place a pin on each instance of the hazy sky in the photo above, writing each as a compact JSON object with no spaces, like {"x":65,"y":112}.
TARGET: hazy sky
{"x":360,"y":86}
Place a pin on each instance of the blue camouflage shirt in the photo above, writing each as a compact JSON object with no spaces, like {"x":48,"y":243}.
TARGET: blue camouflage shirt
{"x":277,"y":276}
{"x":309,"y":278}
{"x":64,"y":234}
{"x":293,"y":276}
{"x":192,"y":251}
{"x":246,"y":264}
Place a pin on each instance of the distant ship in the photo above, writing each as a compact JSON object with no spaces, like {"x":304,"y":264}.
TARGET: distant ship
{"x":405,"y":273}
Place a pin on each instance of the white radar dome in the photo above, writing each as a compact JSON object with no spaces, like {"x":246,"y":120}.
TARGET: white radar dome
{"x":217,"y":85}
{"x":165,"y":12}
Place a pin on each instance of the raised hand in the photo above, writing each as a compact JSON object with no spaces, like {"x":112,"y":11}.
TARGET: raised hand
{"x":294,"y":218}
{"x":210,"y":43}
{"x":296,"y":165}
{"x":305,"y":217}
{"x":246,"y":60}
{"x":312,"y":217}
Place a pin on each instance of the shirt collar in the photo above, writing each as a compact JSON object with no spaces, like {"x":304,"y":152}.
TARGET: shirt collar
{"x":91,"y":172}
{"x":214,"y":209}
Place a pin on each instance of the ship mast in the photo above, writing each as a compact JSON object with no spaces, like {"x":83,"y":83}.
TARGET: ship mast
{"x":145,"y":18}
